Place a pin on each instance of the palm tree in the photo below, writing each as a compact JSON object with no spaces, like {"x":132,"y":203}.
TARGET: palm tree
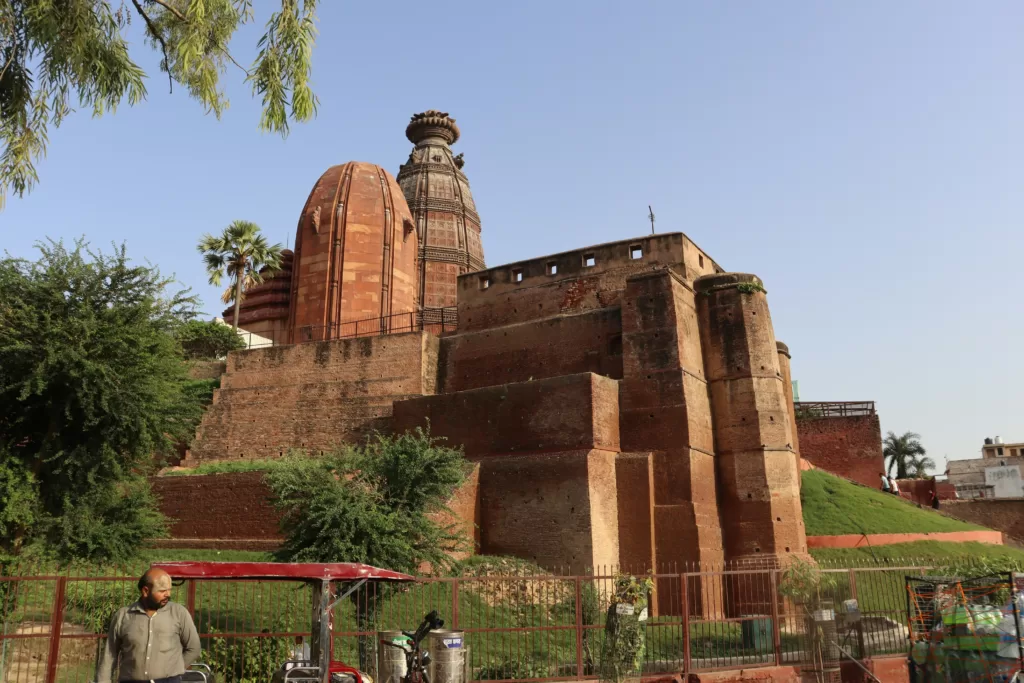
{"x":240,"y":252}
{"x":906,"y":453}
{"x":919,"y":466}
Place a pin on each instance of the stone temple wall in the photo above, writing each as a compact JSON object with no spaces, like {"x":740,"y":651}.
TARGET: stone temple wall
{"x":312,"y":396}
{"x":624,"y":403}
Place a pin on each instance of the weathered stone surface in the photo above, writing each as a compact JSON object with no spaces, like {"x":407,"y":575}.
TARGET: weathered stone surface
{"x":787,"y":386}
{"x":849,"y":446}
{"x":355,"y":253}
{"x":758,"y":474}
{"x":447,"y":224}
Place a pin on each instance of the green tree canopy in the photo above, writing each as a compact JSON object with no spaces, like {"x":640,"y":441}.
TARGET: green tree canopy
{"x":208,"y":339}
{"x":377,"y":503}
{"x":240,"y":253}
{"x":53,"y":53}
{"x":906,"y":454}
{"x":92,"y":385}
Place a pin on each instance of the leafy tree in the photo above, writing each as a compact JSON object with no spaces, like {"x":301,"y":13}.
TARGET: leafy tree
{"x":241,"y":253}
{"x":208,"y":340}
{"x":376,"y":504}
{"x":52,"y":53}
{"x":92,"y":383}
{"x":906,"y":454}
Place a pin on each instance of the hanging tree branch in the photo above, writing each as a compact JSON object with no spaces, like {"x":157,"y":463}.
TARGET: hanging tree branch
{"x":159,"y":38}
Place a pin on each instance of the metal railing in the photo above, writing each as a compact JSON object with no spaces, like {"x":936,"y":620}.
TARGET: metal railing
{"x":435,"y":320}
{"x":807,"y":410}
{"x":519,"y":627}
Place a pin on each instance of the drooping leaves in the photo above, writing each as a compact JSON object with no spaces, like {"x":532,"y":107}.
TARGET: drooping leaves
{"x":56,"y":55}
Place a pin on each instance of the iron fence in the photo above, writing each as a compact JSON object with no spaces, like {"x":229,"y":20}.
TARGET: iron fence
{"x":806,"y":410}
{"x":518,"y":627}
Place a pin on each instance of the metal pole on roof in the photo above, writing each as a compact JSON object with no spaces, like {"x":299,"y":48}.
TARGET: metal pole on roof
{"x":650,"y":214}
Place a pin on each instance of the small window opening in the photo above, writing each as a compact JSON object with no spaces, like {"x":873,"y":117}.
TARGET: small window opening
{"x":552,"y":268}
{"x":589,"y":261}
{"x":517,"y":275}
{"x":636,"y":252}
{"x":485,"y":282}
{"x":700,"y":259}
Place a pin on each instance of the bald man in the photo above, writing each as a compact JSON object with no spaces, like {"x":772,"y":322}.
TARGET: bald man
{"x":152,"y":640}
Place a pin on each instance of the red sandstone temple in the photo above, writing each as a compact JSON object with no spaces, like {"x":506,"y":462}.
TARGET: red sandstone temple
{"x":624,"y":403}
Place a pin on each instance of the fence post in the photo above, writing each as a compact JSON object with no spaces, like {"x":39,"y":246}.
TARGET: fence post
{"x":685,"y":611}
{"x":579,"y":628}
{"x":190,"y":598}
{"x":56,"y":625}
{"x":776,"y":631}
{"x":455,"y":603}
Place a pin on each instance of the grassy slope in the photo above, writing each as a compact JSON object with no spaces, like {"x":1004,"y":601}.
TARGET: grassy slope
{"x":835,"y":506}
{"x":920,"y":552}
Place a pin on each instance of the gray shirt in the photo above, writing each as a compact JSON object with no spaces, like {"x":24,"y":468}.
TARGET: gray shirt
{"x":149,"y":647}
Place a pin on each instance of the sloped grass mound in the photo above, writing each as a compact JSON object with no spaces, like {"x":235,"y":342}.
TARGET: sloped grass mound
{"x":924,"y":553}
{"x":834,"y":506}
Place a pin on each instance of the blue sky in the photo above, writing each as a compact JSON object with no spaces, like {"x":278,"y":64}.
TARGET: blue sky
{"x":865,"y":159}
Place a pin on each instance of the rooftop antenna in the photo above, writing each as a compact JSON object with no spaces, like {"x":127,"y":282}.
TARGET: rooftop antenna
{"x":650,"y":214}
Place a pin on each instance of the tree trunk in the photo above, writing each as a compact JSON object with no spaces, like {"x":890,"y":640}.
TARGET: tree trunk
{"x":238,"y":301}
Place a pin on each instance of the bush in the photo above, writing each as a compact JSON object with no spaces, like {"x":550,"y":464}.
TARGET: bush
{"x":512,"y":669}
{"x":246,"y":660}
{"x":92,"y":603}
{"x":208,"y":340}
{"x":623,"y":652}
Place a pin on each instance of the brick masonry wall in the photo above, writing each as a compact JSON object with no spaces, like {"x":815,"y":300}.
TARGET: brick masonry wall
{"x":312,"y":396}
{"x":574,"y":287}
{"x":218,"y":510}
{"x":561,"y":413}
{"x":206,"y":369}
{"x":561,"y":345}
{"x":233,"y":511}
{"x":1006,"y":515}
{"x":556,"y":509}
{"x":848,"y":446}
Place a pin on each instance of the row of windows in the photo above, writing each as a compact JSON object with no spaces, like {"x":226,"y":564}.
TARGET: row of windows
{"x":1013,"y":451}
{"x":636,"y":252}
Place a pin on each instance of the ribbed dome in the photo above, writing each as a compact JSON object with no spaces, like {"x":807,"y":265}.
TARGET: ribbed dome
{"x":268,"y":300}
{"x":355,"y":252}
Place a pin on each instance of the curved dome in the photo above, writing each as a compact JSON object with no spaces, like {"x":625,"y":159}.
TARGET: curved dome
{"x":355,"y":252}
{"x":264,"y":307}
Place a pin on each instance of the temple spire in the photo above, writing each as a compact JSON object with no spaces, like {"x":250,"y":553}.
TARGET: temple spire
{"x":442,"y":206}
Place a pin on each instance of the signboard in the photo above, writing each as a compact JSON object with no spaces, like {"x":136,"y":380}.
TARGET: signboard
{"x":1005,"y":481}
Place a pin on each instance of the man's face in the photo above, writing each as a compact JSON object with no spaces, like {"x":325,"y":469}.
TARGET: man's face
{"x":159,"y":595}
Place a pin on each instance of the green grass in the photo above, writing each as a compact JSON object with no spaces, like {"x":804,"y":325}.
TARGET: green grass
{"x":919,"y":553}
{"x":224,"y":467}
{"x":834,"y":506}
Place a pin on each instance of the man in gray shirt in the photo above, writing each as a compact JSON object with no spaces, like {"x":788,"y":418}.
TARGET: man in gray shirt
{"x":152,"y":640}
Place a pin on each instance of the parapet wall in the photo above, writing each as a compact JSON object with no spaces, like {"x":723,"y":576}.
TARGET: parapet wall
{"x":573,"y":281}
{"x":848,"y":446}
{"x":312,"y":396}
{"x":1002,"y":514}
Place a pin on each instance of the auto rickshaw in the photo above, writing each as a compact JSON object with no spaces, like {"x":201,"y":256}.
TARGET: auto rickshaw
{"x":331,"y":583}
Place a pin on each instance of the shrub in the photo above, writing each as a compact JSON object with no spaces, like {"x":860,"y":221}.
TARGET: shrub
{"x":512,"y":669}
{"x":208,"y":340}
{"x":246,"y":660}
{"x":623,"y":650}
